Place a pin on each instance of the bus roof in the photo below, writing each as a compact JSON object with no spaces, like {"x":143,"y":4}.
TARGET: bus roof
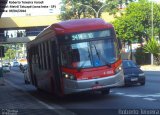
{"x":80,"y":25}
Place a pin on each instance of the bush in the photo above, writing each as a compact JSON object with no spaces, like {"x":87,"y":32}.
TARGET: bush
{"x":153,"y":47}
{"x":156,"y":60}
{"x":140,"y":56}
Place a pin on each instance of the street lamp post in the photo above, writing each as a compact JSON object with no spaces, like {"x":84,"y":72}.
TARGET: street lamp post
{"x":100,"y":10}
{"x":152,"y":29}
{"x":96,"y":12}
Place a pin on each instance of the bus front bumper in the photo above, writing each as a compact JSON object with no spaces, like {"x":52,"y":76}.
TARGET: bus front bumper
{"x":73,"y":86}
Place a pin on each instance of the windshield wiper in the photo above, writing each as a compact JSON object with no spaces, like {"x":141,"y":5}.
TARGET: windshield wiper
{"x":100,"y":57}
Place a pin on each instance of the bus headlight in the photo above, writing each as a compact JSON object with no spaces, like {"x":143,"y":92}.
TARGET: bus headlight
{"x":118,"y":69}
{"x":69,"y":76}
{"x":66,"y":76}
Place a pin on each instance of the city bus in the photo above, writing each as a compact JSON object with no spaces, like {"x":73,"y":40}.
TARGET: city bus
{"x":76,"y":56}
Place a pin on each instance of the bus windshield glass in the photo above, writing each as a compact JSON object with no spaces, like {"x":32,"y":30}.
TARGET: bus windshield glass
{"x":92,"y":53}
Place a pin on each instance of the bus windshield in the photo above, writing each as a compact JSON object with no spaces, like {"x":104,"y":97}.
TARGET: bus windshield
{"x":89,"y":54}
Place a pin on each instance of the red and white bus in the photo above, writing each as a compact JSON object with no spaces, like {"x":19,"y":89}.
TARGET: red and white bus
{"x":76,"y":56}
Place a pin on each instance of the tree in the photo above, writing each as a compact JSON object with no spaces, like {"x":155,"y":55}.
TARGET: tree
{"x":114,"y":6}
{"x":10,"y":54}
{"x":137,"y":21}
{"x":72,"y":10}
{"x":75,"y":9}
{"x":125,"y":31}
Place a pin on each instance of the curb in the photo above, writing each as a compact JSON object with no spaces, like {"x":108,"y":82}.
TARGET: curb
{"x":150,"y":68}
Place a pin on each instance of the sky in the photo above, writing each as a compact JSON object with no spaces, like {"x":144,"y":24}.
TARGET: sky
{"x":19,"y":10}
{"x":156,"y":0}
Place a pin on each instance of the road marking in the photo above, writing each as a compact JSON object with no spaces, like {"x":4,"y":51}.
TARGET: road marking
{"x":56,"y":108}
{"x":134,"y":95}
{"x":118,"y":93}
{"x":150,"y":99}
{"x":146,"y":97}
{"x":153,"y":95}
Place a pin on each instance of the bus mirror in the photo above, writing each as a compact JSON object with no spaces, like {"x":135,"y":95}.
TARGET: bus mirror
{"x":119,"y":44}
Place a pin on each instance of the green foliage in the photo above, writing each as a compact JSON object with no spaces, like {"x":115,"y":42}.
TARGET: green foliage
{"x":74,"y":9}
{"x":136,"y":22}
{"x":10,"y":54}
{"x":152,"y":47}
{"x":113,"y":6}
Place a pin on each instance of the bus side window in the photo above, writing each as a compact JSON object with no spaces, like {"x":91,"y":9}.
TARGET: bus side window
{"x":40,"y":56}
{"x":45,"y":56}
{"x":54,"y":49}
{"x":39,"y":60}
{"x":36,"y":54}
{"x":42,"y":51}
{"x":48,"y":55}
{"x":54,"y":58}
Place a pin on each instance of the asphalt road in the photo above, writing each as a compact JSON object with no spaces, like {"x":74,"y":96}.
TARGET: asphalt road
{"x":134,"y":99}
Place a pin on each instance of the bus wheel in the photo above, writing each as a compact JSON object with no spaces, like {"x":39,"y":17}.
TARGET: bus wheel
{"x":39,"y":89}
{"x":26,"y":82}
{"x":105,"y":91}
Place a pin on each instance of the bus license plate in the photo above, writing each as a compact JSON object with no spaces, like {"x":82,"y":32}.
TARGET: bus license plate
{"x":134,"y":79}
{"x":97,"y":87}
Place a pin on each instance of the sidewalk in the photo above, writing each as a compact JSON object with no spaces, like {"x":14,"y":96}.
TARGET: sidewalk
{"x":16,"y":102}
{"x":16,"y":98}
{"x":150,"y":68}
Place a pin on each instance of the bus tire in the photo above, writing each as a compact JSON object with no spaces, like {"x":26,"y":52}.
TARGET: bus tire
{"x":39,"y":89}
{"x":26,"y":82}
{"x":105,"y":91}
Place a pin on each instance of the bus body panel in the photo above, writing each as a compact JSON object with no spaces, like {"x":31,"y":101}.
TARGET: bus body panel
{"x":92,"y":73}
{"x":71,"y":86}
{"x":87,"y":79}
{"x":44,"y":82}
